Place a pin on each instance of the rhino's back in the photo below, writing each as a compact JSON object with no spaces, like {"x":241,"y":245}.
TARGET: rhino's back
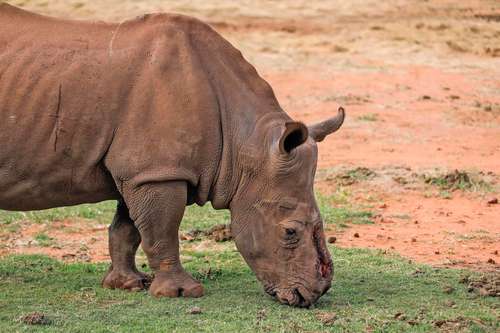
{"x":86,"y":104}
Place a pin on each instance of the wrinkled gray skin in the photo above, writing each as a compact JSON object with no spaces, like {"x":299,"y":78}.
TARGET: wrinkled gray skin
{"x":159,"y":112}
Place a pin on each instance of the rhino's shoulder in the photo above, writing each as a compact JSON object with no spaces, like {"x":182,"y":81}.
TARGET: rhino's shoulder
{"x":172,"y":22}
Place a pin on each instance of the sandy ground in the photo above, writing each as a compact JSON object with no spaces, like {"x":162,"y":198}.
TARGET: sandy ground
{"x":421,"y":84}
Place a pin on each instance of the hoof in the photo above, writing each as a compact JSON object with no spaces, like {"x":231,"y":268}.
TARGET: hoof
{"x":131,"y":281}
{"x":175,"y":286}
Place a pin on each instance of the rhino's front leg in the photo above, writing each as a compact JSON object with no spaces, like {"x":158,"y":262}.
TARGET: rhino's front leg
{"x":157,"y":209}
{"x":124,"y":239}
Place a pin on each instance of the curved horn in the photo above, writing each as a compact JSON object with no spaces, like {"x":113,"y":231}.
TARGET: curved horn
{"x":320,"y":130}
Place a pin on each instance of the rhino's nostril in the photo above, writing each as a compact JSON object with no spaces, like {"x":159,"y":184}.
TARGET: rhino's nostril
{"x":301,"y":301}
{"x":270,"y":290}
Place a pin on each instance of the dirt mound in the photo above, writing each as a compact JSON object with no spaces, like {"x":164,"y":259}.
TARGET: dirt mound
{"x":218,"y":233}
{"x":35,"y":318}
{"x":484,"y":285}
{"x":456,"y":180}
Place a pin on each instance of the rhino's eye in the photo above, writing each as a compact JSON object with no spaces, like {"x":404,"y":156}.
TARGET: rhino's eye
{"x":290,"y":238}
{"x":290,"y":234}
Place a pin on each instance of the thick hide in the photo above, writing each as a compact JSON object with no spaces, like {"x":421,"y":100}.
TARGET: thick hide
{"x":158,"y":113}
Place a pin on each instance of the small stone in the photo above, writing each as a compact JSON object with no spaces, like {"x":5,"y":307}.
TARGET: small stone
{"x":491,"y":261}
{"x":437,"y":252}
{"x":332,"y":239}
{"x":413,"y":240}
{"x":493,"y":201}
{"x":356,"y":235}
{"x":194,"y":310}
{"x":448,"y":289}
{"x":400,"y":316}
{"x":426,"y":97}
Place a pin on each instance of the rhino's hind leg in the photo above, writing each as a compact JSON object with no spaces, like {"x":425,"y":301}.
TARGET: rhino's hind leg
{"x":157,"y":209}
{"x":124,"y":239}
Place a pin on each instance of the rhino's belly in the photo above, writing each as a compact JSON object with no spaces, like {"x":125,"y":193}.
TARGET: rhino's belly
{"x":28,"y":190}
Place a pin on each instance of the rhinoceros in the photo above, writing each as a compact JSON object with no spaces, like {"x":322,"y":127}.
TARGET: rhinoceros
{"x":158,"y":113}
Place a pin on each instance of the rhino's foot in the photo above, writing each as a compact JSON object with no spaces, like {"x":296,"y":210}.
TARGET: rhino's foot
{"x":168,"y":284}
{"x":130,"y":280}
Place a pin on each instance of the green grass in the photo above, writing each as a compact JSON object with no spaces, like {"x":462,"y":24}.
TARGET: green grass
{"x":368,"y":291}
{"x":336,"y":210}
{"x":43,"y":239}
{"x":102,"y":212}
{"x":203,"y":218}
{"x":195,"y":217}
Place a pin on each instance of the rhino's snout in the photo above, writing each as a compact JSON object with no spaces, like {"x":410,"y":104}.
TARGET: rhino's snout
{"x":300,"y":296}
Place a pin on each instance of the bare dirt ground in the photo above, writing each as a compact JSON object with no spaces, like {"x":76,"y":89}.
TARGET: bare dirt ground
{"x":420,"y":81}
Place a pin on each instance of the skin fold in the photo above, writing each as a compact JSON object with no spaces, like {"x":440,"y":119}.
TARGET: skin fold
{"x":158,"y":113}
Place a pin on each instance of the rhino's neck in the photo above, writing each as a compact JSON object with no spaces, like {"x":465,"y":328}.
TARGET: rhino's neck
{"x":243,"y":98}
{"x":243,"y":137}
{"x":246,"y":116}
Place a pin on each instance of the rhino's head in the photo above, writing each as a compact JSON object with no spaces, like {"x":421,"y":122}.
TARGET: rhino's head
{"x":275,"y":219}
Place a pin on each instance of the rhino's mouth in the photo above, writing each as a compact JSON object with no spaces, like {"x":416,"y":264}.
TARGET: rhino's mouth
{"x":295,"y":296}
{"x":299,"y":297}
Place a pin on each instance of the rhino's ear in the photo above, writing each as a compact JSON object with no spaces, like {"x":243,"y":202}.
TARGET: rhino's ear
{"x":294,"y":135}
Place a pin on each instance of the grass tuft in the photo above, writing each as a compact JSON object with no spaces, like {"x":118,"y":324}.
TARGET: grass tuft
{"x":458,"y":180}
{"x":43,"y":239}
